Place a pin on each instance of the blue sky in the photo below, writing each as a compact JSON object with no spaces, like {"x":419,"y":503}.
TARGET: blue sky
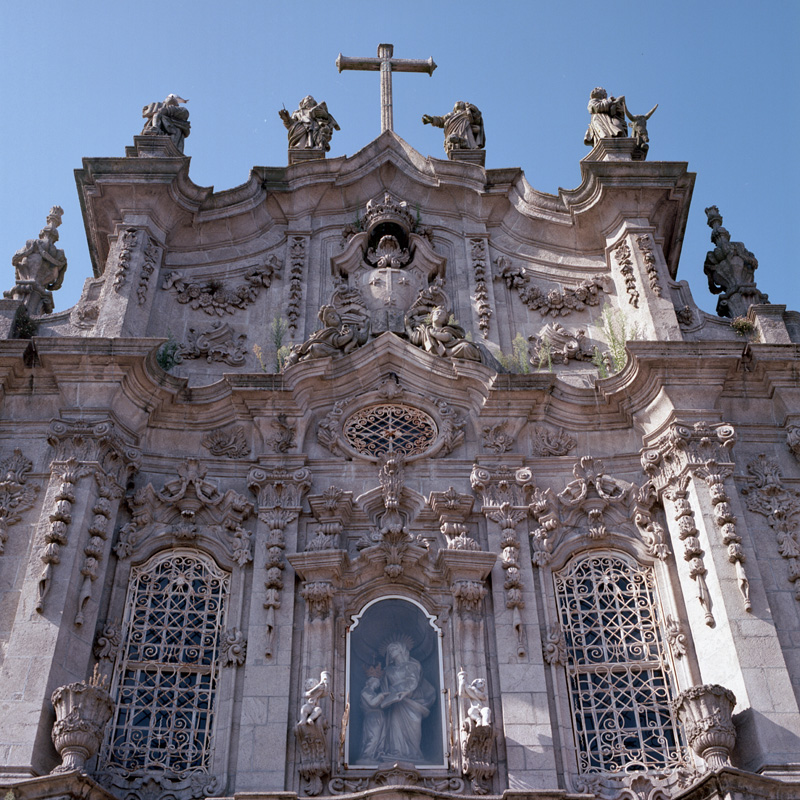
{"x":75,"y":76}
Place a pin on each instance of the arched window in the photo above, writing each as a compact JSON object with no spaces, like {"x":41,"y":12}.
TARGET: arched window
{"x":165,"y":681}
{"x":619,"y":676}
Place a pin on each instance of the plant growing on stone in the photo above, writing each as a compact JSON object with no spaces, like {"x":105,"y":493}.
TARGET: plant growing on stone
{"x":545,"y":354}
{"x":618,"y":331}
{"x":743,"y":326}
{"x":167,"y":355}
{"x":278,"y":329}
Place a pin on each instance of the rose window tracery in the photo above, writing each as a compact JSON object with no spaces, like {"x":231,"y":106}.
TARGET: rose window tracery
{"x":389,"y":427}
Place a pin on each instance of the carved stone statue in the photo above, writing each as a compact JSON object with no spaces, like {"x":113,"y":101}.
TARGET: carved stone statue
{"x":310,"y":127}
{"x":439,"y":337}
{"x":373,"y":727}
{"x":407,"y":700}
{"x":479,"y":712}
{"x":310,"y":710}
{"x":167,"y":119}
{"x":40,"y":267}
{"x":463,"y":127}
{"x":332,"y":339}
{"x":730,"y":268}
{"x":608,"y":117}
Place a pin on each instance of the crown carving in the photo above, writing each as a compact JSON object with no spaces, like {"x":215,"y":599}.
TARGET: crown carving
{"x":388,"y":211}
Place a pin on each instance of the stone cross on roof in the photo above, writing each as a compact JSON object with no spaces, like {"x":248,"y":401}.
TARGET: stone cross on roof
{"x":386,"y":64}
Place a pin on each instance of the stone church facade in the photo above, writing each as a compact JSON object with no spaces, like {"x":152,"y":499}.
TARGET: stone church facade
{"x":344,"y":482}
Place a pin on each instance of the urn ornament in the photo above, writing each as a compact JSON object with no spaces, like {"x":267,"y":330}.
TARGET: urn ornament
{"x":705,"y":712}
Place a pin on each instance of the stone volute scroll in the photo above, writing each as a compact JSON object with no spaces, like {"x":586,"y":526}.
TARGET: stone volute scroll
{"x":730,"y":269}
{"x":167,"y":119}
{"x":464,"y":136}
{"x":40,"y":268}
{"x":309,"y":129}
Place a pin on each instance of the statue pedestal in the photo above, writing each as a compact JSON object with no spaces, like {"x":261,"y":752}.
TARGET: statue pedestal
{"x":615,"y":149}
{"x":470,"y":156}
{"x":153,"y":146}
{"x":297,"y":155}
{"x":8,"y":314}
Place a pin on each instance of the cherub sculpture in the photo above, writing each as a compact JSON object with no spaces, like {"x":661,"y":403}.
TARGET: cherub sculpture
{"x":478,"y":711}
{"x":334,"y":338}
{"x":311,"y":710}
{"x":167,"y":119}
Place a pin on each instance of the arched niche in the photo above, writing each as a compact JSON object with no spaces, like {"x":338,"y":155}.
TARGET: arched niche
{"x":394,"y":686}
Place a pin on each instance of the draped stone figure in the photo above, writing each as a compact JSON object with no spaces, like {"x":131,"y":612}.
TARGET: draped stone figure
{"x":608,"y":117}
{"x":310,"y":127}
{"x":463,"y":127}
{"x":440,"y":338}
{"x":408,"y":699}
{"x":167,"y":119}
{"x":373,"y":727}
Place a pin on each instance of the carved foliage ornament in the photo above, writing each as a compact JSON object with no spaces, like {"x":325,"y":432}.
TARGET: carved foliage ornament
{"x":15,"y":497}
{"x":219,"y":343}
{"x":214,"y":297}
{"x":229,"y":444}
{"x":479,"y":263}
{"x":622,"y":254}
{"x":554,"y":302}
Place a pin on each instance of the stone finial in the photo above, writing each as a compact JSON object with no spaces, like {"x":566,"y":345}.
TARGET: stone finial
{"x":730,"y":268}
{"x":82,"y":711}
{"x":40,"y":268}
{"x":167,"y":119}
{"x":705,"y":712}
{"x":463,"y":130}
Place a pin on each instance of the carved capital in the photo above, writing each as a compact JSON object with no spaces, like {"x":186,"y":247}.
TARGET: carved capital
{"x":318,"y":596}
{"x":279,"y":488}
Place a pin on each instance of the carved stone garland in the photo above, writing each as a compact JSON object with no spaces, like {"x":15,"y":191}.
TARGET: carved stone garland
{"x":714,"y":477}
{"x":622,"y":253}
{"x":671,"y":462}
{"x":645,"y":245}
{"x":280,"y":496}
{"x":479,"y":262}
{"x":555,"y":302}
{"x":767,"y":495}
{"x":503,"y":503}
{"x":81,"y":448}
{"x":213,"y":297}
{"x":108,"y":490}
{"x":15,"y":497}
{"x":297,"y":266}
{"x":127,"y":245}
{"x":152,"y":258}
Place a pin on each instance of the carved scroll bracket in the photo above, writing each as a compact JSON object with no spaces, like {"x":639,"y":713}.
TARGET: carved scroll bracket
{"x":453,"y":510}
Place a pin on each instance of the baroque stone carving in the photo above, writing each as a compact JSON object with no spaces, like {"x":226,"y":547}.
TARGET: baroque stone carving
{"x":428,"y":327}
{"x":280,"y":495}
{"x":555,"y":302}
{"x":186,"y":508}
{"x":645,"y":245}
{"x":297,"y":266}
{"x":167,"y":119}
{"x":152,"y":258}
{"x":548,"y":442}
{"x":15,"y":497}
{"x":332,"y":510}
{"x":334,"y":338}
{"x":558,"y":345}
{"x":453,"y":510}
{"x":125,"y":248}
{"x":639,"y":133}
{"x":622,"y":254}
{"x":463,"y":128}
{"x":793,"y":440}
{"x":554,"y":646}
{"x":108,"y":641}
{"x":767,"y":495}
{"x":730,"y":268}
{"x":675,"y":636}
{"x":705,"y":712}
{"x":82,"y":711}
{"x":283,"y":440}
{"x":108,"y":490}
{"x":217,"y":343}
{"x":214,"y":297}
{"x":607,"y":117}
{"x":40,"y":268}
{"x":310,"y":127}
{"x":233,"y":649}
{"x":479,"y":261}
{"x":311,"y":733}
{"x":477,"y":733}
{"x":229,"y":444}
{"x":496,"y":439}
